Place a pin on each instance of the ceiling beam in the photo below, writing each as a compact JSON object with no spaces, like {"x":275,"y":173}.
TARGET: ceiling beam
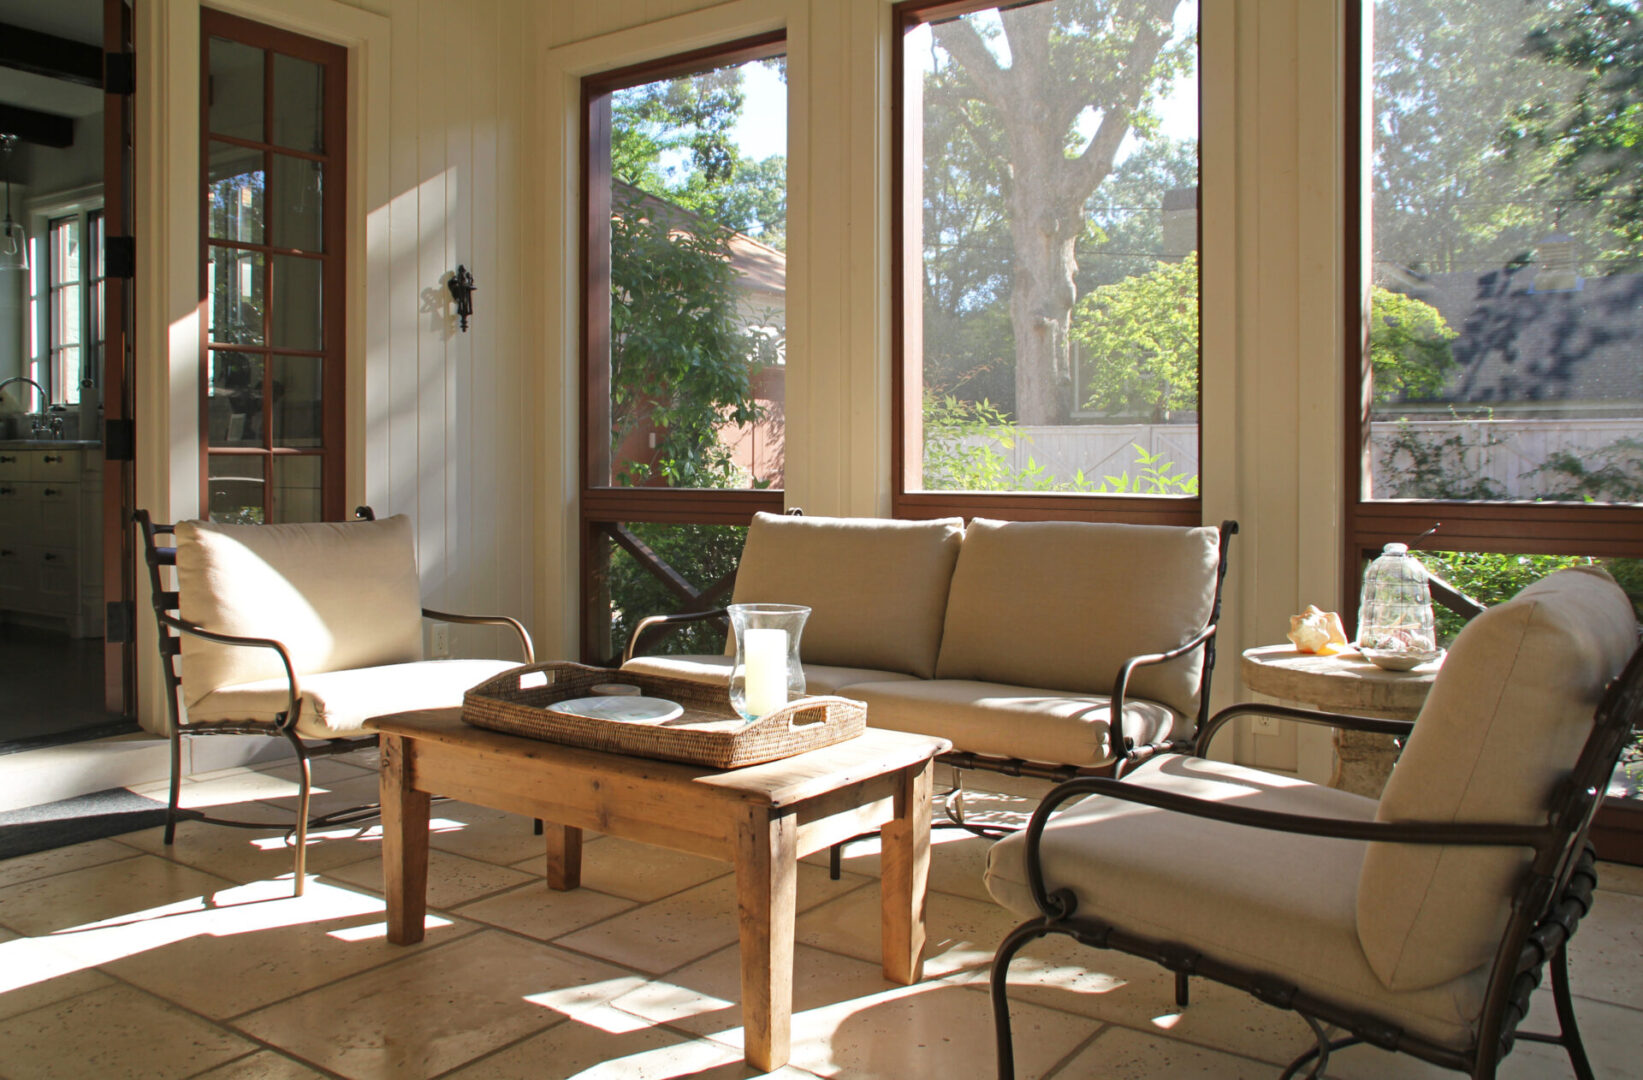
{"x":51,"y":56}
{"x":40,"y":128}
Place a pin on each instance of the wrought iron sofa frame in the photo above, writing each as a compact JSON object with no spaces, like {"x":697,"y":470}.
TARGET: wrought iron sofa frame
{"x":1547,"y":904}
{"x":172,"y":626}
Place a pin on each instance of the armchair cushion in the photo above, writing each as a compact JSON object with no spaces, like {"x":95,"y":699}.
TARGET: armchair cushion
{"x":1065,"y":603}
{"x":877,"y":589}
{"x":1006,"y":721}
{"x":1267,"y":901}
{"x":338,"y":594}
{"x":336,"y":703}
{"x":1504,"y":723}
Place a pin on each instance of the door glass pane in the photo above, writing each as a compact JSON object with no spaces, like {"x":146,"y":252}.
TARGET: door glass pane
{"x":236,"y":89}
{"x":65,"y":316}
{"x":299,"y":115}
{"x":298,"y":400}
{"x":235,"y":484}
{"x":1506,"y":308}
{"x":296,"y":488}
{"x":295,"y":195}
{"x":234,"y":281}
{"x":65,"y":251}
{"x":1051,"y":308}
{"x":235,"y":194}
{"x":698,"y":280}
{"x":298,"y":310}
{"x":233,"y":402}
{"x":702,"y":555}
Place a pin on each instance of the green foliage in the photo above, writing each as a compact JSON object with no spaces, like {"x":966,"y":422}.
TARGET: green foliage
{"x":1140,"y":339}
{"x":1409,"y":346}
{"x":1613,"y":474}
{"x":1490,"y":578}
{"x":1417,"y":467}
{"x":703,"y":554}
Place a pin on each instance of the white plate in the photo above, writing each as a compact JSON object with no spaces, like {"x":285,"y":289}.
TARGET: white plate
{"x":628,"y":709}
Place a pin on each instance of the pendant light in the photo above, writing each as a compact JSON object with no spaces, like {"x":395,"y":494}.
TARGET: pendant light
{"x":14,"y":244}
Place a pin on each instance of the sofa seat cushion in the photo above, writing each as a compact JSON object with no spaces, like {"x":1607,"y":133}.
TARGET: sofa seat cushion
{"x":336,"y":703}
{"x":1264,"y":900}
{"x":876,"y":588}
{"x":818,"y":678}
{"x":1000,"y":720}
{"x":337,"y":594}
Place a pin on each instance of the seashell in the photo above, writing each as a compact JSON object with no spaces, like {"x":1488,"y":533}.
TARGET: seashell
{"x":1315,"y":631}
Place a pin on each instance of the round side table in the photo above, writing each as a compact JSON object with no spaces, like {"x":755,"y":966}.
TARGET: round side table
{"x":1344,"y":684}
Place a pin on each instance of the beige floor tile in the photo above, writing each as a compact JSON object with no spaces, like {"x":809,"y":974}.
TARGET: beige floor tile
{"x":361,"y":789}
{"x":60,"y":860}
{"x":1120,"y":1054}
{"x":606,"y":1044}
{"x":229,"y":786}
{"x":452,"y":879}
{"x":957,"y":862}
{"x":537,"y":911}
{"x":107,"y":891}
{"x":482,"y":833}
{"x":960,"y":932}
{"x":263,"y":1065}
{"x":260,"y":945}
{"x":324,"y":770}
{"x":636,"y":871}
{"x":437,"y":1009}
{"x":685,"y":926}
{"x":1618,"y":877}
{"x":114,"y":1033}
{"x":1607,"y":949}
{"x":246,"y":855}
{"x":34,"y":973}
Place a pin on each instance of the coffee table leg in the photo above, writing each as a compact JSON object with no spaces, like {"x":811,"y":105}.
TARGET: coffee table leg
{"x":404,"y":844}
{"x":766,"y":883}
{"x":905,"y":876}
{"x":564,"y":856}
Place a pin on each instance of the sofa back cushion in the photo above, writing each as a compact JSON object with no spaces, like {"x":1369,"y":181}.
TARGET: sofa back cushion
{"x":1506,"y":719}
{"x":877,"y":588}
{"x":338,"y":595}
{"x":1062,"y":605}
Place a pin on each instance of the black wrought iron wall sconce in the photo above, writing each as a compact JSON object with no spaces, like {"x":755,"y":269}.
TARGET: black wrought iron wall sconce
{"x":462,"y":291}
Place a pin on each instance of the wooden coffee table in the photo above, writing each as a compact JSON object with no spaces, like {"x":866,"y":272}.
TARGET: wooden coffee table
{"x":763,"y":819}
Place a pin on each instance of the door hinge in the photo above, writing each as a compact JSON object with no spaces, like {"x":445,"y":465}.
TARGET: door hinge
{"x":119,"y":440}
{"x":122,"y":622}
{"x":120,"y":256}
{"x":119,"y":73}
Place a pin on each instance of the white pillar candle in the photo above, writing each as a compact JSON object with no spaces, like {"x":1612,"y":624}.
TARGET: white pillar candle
{"x":765,"y":651}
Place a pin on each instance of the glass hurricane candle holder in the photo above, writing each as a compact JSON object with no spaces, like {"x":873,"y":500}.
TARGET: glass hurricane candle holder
{"x":767,"y":673}
{"x":1395,"y":608}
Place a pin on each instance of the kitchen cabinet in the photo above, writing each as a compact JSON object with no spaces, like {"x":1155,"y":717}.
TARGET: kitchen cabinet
{"x":51,"y":535}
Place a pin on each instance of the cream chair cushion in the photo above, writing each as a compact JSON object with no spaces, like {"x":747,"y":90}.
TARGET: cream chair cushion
{"x":1507,"y":716}
{"x":1270,"y":902}
{"x":715,"y":670}
{"x":337,"y":703}
{"x":998,"y":720}
{"x":877,"y":589}
{"x":339,"y":595}
{"x":1063,"y":604}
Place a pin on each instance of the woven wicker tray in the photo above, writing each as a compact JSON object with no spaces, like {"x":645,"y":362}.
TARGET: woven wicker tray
{"x":521,"y":702}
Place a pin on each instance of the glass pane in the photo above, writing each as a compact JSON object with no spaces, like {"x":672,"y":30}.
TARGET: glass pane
{"x":1052,"y":312}
{"x":236,"y":89}
{"x":233,"y":404}
{"x":97,"y":234}
{"x":298,"y":309}
{"x":704,"y":555}
{"x":65,"y":316}
{"x":296,"y":489}
{"x":298,"y":401}
{"x":299,"y":99}
{"x":235,"y":483}
{"x":65,"y":251}
{"x":1506,"y":317}
{"x":699,"y":279}
{"x":235,"y":285}
{"x":235,"y":194}
{"x":65,"y":376}
{"x":296,"y":190}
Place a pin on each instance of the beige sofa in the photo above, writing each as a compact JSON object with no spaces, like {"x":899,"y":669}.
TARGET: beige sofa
{"x":1011,"y":639}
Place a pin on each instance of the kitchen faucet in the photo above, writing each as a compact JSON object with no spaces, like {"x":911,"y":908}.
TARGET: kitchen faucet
{"x":24,"y":378}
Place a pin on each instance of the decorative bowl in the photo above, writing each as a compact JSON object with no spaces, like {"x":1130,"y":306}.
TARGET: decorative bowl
{"x":1399,"y":659}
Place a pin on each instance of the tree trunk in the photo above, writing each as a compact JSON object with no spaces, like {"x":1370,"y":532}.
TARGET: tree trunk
{"x":1041,"y":302}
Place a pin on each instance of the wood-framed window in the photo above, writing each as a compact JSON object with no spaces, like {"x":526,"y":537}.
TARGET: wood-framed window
{"x":683,"y":330}
{"x":273,"y":152}
{"x":1044,"y":267}
{"x":1494,"y":398}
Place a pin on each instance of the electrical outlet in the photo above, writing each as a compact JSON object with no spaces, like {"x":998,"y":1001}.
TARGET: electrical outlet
{"x":440,"y":640}
{"x":1264,"y":725}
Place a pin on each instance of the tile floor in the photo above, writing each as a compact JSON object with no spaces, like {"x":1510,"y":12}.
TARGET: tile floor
{"x":119,"y":958}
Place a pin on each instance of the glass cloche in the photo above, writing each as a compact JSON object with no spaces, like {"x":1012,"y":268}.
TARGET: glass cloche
{"x":1395,"y":611}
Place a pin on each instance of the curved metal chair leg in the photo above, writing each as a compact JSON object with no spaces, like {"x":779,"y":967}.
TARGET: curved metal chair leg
{"x":1321,"y":1051}
{"x":305,"y":773}
{"x":1182,"y":995}
{"x":999,"y":981}
{"x":176,"y":784}
{"x":1568,"y":1029}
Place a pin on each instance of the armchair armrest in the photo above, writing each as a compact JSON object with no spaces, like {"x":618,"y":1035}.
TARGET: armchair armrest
{"x":655,"y":623}
{"x":487,"y":620}
{"x":1122,"y":750}
{"x":293,"y":689}
{"x":1378,"y":725}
